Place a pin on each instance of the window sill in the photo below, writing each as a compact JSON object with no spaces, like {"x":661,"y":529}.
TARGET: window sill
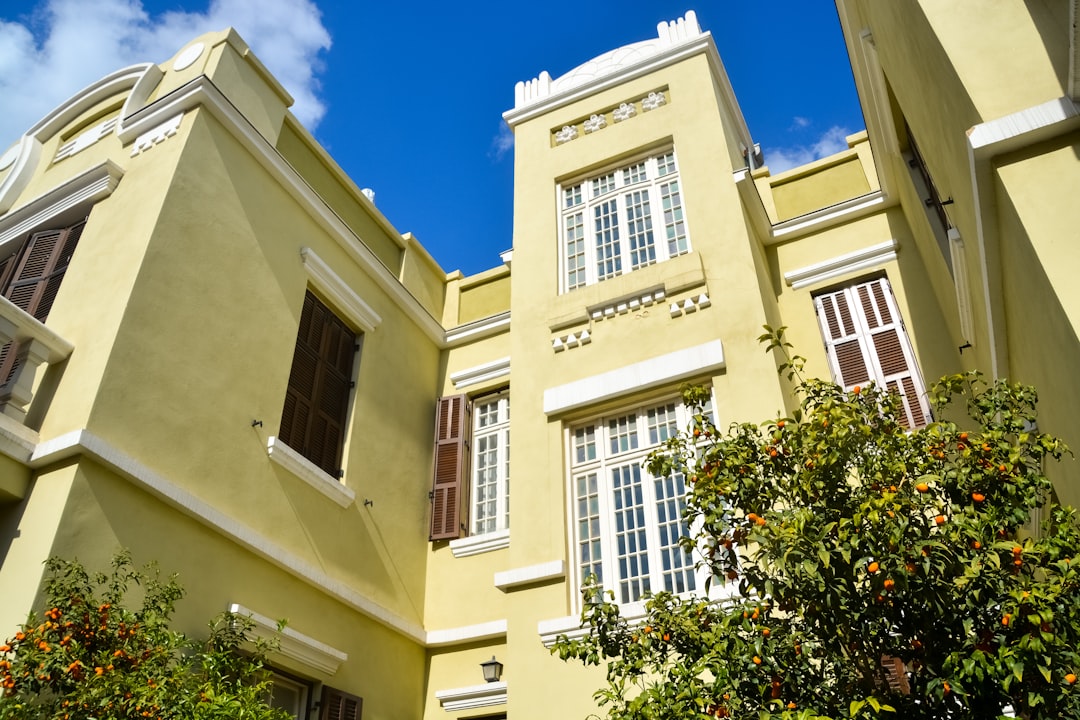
{"x":476,"y":544}
{"x":474,"y":696}
{"x":307,"y":471}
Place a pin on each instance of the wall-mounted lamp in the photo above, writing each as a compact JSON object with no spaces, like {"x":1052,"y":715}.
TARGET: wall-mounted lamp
{"x":492,"y":669}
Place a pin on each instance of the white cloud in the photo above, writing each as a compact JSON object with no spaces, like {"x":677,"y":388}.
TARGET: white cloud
{"x":72,"y":43}
{"x":502,"y":143}
{"x":785,"y":158}
{"x":800,"y":122}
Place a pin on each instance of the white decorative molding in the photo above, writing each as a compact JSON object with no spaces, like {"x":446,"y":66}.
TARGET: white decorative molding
{"x":507,"y":256}
{"x":595,"y":122}
{"x":572,"y":340}
{"x":689,"y":305}
{"x":568,"y":133}
{"x":869,"y":257}
{"x":477,"y":544}
{"x":478,"y":329}
{"x":493,"y":630}
{"x":481,"y":373}
{"x":292,"y":644}
{"x":338,"y":292}
{"x":699,"y":360}
{"x":83,"y":442}
{"x":625,"y":305}
{"x":556,"y":569}
{"x":85,"y":188}
{"x":625,"y":111}
{"x":833,"y":215}
{"x":309,"y":472}
{"x":157,"y":134}
{"x":472,"y":697}
{"x":653,"y":101}
{"x":188,"y":57}
{"x":86,"y":139}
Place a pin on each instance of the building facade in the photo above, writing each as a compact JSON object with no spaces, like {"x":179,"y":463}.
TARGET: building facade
{"x":221,"y":355}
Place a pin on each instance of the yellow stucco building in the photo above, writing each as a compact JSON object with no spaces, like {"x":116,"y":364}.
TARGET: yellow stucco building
{"x":222,"y":356}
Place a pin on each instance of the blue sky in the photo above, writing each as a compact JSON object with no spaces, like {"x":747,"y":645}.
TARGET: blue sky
{"x":408,"y":96}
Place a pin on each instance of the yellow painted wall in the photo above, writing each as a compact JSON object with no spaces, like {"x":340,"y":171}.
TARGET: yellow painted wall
{"x":484,"y":295}
{"x":339,"y":192}
{"x":838,"y":178}
{"x":1038,"y":215}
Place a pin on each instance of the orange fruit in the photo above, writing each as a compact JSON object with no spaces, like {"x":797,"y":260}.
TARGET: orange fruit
{"x":856,"y":389}
{"x":872,"y":568}
{"x":889,"y":583}
{"x":922,"y":487}
{"x":945,"y":688}
{"x":1070,"y":678}
{"x":940,"y":520}
{"x":757,"y":660}
{"x":1005,"y":619}
{"x":978,"y":497}
{"x":766,"y":632}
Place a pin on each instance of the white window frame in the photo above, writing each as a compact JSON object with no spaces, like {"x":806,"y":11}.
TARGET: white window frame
{"x":584,"y":236}
{"x":490,"y":471}
{"x":302,"y":690}
{"x":580,"y":467}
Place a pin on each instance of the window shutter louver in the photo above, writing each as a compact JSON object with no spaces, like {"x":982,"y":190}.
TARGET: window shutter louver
{"x":31,"y":278}
{"x":452,"y":425}
{"x":865,"y":340}
{"x":317,"y":398}
{"x":338,"y":705}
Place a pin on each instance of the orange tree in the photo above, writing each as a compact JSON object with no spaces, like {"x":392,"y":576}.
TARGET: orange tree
{"x":870,"y":570}
{"x":89,"y":656}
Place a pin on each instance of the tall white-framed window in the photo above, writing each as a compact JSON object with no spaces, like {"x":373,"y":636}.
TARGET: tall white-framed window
{"x":491,"y":464}
{"x":627,"y":522}
{"x":289,"y":694}
{"x":621,"y":220}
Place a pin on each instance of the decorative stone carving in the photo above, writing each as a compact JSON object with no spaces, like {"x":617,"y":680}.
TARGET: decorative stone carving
{"x":86,"y":139}
{"x":573,"y":340}
{"x":653,"y":101}
{"x":624,"y":112}
{"x":156,"y":135}
{"x":568,"y":133}
{"x":689,"y":305}
{"x":595,"y":122}
{"x":626,"y":305}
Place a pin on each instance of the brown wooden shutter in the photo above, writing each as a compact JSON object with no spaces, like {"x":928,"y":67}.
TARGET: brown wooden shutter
{"x":452,"y":425}
{"x":866,"y":340}
{"x":317,"y":398}
{"x":896,"y":674}
{"x":31,"y":278}
{"x":339,"y":705}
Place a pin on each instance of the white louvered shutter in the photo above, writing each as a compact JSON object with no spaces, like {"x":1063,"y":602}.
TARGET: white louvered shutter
{"x":866,"y":341}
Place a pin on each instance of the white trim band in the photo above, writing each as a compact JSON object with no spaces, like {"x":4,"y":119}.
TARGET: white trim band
{"x":707,"y":358}
{"x":478,"y":329}
{"x":507,"y":579}
{"x":873,"y":256}
{"x":88,"y":187}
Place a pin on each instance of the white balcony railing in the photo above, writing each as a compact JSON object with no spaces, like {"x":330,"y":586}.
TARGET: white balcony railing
{"x":35,"y":345}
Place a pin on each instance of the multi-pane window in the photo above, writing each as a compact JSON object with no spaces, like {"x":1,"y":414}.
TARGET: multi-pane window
{"x":622,"y":220}
{"x":627,"y":522}
{"x":866,"y":342}
{"x":491,"y":464}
